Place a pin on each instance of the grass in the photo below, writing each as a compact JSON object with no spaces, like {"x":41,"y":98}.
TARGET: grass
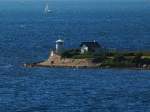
{"x":113,"y":59}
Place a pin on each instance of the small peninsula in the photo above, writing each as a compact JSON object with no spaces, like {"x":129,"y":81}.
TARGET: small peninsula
{"x":92,"y":55}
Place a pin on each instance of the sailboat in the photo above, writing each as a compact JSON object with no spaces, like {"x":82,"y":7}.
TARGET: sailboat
{"x":47,"y":10}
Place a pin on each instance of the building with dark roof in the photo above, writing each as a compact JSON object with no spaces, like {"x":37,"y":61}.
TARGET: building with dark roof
{"x":90,"y":47}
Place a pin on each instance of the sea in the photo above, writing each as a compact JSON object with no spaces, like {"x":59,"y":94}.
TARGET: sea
{"x":27,"y":35}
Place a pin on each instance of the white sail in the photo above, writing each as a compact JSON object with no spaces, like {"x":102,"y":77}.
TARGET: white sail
{"x":47,"y":10}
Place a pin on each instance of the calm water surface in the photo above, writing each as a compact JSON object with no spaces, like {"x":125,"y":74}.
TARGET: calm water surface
{"x":26,"y":35}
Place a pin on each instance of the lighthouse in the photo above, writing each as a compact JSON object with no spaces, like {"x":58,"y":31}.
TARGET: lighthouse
{"x":59,"y":46}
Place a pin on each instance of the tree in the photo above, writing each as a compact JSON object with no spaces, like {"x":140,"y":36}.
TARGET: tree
{"x":119,"y":58}
{"x":137,"y":58}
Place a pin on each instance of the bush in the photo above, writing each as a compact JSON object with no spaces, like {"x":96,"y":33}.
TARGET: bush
{"x":145,"y":61}
{"x":85,"y":55}
{"x":119,"y":58}
{"x":112,"y":63}
{"x":99,"y":59}
{"x":137,"y":58}
{"x":70,"y":53}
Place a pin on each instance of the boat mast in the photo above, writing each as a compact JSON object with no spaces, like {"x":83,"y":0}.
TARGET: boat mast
{"x":47,"y":10}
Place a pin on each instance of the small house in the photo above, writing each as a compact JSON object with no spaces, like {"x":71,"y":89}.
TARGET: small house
{"x":93,"y":47}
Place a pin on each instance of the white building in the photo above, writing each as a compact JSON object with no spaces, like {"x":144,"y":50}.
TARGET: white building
{"x":90,"y":47}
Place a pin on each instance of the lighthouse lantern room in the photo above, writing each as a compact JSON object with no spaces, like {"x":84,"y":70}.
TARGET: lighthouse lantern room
{"x":59,"y":46}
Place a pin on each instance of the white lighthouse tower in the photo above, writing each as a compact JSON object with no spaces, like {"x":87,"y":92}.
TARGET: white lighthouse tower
{"x":59,"y":46}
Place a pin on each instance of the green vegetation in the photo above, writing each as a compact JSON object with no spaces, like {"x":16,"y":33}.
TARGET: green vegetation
{"x":126,"y":59}
{"x":111,"y":59}
{"x":75,"y":54}
{"x":70,"y":53}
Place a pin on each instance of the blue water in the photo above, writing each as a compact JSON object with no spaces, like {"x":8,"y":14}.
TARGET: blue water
{"x":26,"y":35}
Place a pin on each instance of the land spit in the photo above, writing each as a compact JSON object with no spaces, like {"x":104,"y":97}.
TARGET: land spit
{"x":57,"y":61}
{"x":92,"y":55}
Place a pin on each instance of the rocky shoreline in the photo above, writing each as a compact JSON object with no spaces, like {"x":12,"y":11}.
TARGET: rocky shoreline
{"x":84,"y":67}
{"x":81,"y":64}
